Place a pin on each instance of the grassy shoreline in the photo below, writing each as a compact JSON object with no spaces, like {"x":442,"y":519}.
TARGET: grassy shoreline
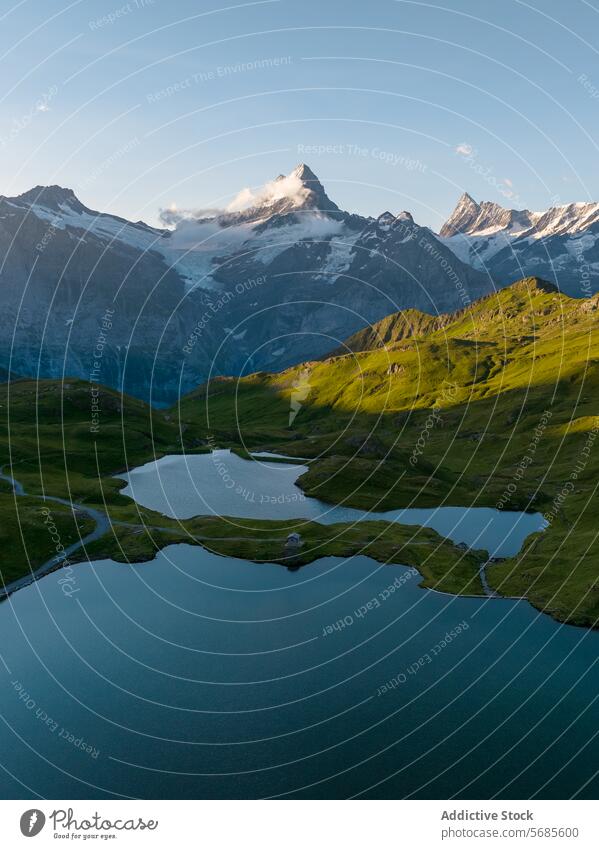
{"x":520,"y":363}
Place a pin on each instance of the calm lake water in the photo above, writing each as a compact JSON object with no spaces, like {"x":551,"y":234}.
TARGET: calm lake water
{"x":196,"y":675}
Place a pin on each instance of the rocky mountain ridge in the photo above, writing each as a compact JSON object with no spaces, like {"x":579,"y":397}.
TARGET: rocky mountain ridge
{"x":559,"y":243}
{"x":280,"y":276}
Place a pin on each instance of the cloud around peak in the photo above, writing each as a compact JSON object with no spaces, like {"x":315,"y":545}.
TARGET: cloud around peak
{"x":289,"y":187}
{"x":295,"y":190}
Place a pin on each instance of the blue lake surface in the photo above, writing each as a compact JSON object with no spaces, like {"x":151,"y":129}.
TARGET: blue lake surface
{"x":199,"y":676}
{"x":202,"y":676}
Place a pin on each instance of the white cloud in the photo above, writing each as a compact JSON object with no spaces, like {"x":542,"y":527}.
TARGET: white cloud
{"x":242,"y":200}
{"x":290,"y":187}
{"x":173,"y":215}
{"x":464,"y":149}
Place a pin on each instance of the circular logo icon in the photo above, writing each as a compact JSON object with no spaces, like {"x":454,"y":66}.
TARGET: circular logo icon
{"x":32,"y":822}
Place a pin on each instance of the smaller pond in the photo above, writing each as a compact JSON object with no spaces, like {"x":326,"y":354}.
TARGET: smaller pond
{"x":223,"y":484}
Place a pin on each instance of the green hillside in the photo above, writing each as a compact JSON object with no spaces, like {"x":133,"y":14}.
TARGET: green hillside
{"x":59,"y":440}
{"x":494,"y":405}
{"x":47,"y":443}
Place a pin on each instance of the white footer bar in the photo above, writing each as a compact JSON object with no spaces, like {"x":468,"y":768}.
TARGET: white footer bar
{"x":300,"y":824}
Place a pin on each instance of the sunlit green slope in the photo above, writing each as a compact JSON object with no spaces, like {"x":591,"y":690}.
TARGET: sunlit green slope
{"x":495,"y":405}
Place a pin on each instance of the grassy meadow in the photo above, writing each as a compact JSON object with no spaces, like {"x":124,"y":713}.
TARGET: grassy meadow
{"x":493,"y":406}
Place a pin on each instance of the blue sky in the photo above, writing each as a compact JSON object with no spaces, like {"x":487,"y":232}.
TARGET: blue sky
{"x":395,"y":105}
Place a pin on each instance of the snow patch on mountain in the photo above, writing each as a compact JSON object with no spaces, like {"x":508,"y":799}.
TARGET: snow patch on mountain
{"x":268,"y":244}
{"x":339,"y":256}
{"x":560,"y":243}
{"x":63,"y":211}
{"x":470,"y":218}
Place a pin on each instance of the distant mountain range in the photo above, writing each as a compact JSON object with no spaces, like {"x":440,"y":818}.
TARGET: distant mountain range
{"x":558,"y":244}
{"x":280,"y":276}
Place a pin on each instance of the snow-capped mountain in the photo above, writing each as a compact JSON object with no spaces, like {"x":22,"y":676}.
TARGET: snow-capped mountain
{"x":322,"y":270}
{"x":259,"y":226}
{"x":558,"y":244}
{"x":85,"y":294}
{"x":280,"y":275}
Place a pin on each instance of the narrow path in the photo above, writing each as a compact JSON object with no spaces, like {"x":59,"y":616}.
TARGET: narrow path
{"x":482,"y":572}
{"x":103,"y":525}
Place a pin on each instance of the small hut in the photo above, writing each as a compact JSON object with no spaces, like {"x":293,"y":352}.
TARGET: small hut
{"x":293,"y":540}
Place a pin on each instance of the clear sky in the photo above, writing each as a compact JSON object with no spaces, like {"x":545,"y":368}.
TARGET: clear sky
{"x":395,"y":105}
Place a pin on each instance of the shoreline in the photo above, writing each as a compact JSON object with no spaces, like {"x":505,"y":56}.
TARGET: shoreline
{"x":103,"y":524}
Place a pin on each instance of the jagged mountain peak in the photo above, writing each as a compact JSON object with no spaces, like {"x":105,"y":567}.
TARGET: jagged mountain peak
{"x":287,"y":241}
{"x":466,"y":201}
{"x":49,"y":196}
{"x":298,"y":191}
{"x":386,"y":221}
{"x":304,"y":172}
{"x":559,"y":243}
{"x":470,"y":217}
{"x":463,"y":216}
